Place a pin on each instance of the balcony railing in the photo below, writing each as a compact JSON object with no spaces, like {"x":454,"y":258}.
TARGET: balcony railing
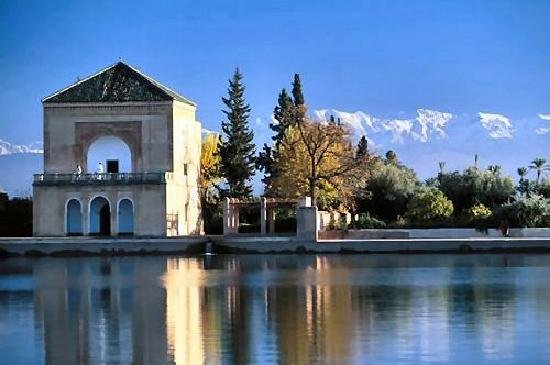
{"x":151,"y":178}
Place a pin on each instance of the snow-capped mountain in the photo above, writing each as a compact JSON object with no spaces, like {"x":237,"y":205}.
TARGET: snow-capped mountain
{"x":7,"y":148}
{"x":430,"y":136}
{"x":18,"y":163}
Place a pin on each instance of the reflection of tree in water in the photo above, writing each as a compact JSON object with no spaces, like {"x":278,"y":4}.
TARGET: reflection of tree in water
{"x":312,"y":317}
{"x":289,"y":309}
{"x":486,"y":308}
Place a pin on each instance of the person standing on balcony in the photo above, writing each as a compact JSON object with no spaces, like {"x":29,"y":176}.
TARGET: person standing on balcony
{"x":100,"y":171}
{"x":78,"y":172}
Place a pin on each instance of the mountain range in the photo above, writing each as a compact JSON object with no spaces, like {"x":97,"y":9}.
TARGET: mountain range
{"x":421,"y":141}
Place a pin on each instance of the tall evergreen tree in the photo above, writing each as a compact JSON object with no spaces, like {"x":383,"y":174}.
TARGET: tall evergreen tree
{"x":289,"y":111}
{"x":362,"y":148}
{"x":237,"y":148}
{"x":299,"y":102}
{"x":283,"y":114}
{"x":297,"y":92}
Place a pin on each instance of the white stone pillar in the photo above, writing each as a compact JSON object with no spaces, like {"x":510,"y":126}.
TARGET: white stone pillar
{"x":226,"y":216}
{"x":236,"y":218}
{"x":263,"y":215}
{"x":304,"y":202}
{"x":306,"y":221}
{"x":271,"y":220}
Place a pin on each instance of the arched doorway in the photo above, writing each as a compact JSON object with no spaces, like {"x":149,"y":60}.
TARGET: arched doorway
{"x":73,"y":216}
{"x":125,"y":217}
{"x":100,"y":217}
{"x":113,"y":154}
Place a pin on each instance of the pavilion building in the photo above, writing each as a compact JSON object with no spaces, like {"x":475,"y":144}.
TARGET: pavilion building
{"x":121,"y":156}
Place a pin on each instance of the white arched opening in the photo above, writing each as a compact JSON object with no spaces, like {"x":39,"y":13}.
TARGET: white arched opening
{"x":113,"y":154}
{"x":73,"y":217}
{"x":125,"y":217}
{"x":100,"y":216}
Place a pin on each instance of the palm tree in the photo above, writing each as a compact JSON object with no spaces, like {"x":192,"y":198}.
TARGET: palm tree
{"x":441,"y":171}
{"x":523,"y":185}
{"x":442,"y":165}
{"x":539,"y":164}
{"x":494,"y":169}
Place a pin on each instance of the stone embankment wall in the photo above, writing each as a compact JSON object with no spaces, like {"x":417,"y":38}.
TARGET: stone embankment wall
{"x":446,"y":233}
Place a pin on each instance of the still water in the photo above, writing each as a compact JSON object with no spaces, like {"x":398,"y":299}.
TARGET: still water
{"x":351,"y":309}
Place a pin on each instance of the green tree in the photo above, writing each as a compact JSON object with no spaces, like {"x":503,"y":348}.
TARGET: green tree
{"x":533,"y":211}
{"x":297,"y":91}
{"x":543,"y":188}
{"x":391,"y":157}
{"x":362,"y":148}
{"x":474,"y":186}
{"x":387,"y":190}
{"x":522,"y":186}
{"x":284,"y":115}
{"x":237,"y":149}
{"x":428,"y":205}
{"x":539,"y":165}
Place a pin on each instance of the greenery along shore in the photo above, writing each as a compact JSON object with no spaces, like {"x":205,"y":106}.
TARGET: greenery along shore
{"x":321,"y":160}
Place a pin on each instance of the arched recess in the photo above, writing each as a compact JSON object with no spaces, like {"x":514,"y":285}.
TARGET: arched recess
{"x":73,"y":217}
{"x":125,"y":217}
{"x":100,"y":216}
{"x":109,"y":148}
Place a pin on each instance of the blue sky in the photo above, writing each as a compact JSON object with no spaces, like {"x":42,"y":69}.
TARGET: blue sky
{"x":385,"y":59}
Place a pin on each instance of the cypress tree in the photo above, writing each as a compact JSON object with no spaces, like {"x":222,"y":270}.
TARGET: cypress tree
{"x":362,"y":148}
{"x":283,"y":114}
{"x":237,"y":149}
{"x":297,"y":92}
{"x":289,"y":111}
{"x":299,"y":102}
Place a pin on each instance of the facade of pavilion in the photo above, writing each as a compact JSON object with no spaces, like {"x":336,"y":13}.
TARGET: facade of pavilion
{"x":121,"y":156}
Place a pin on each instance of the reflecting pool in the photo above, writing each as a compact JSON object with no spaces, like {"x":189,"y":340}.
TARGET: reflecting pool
{"x":289,"y":309}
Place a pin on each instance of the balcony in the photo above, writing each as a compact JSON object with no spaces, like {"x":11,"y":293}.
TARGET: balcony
{"x":143,"y":178}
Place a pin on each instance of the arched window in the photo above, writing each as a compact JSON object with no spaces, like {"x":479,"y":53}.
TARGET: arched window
{"x":114,"y":155}
{"x":100,"y":217}
{"x":73,"y":216}
{"x":125,"y":217}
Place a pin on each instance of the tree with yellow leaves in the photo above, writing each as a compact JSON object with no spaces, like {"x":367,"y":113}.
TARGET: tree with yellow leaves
{"x":314,"y":157}
{"x":210,"y":165}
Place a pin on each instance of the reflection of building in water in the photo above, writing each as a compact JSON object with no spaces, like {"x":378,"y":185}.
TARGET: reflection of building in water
{"x":63,"y":313}
{"x":101,"y":311}
{"x":184,"y":308}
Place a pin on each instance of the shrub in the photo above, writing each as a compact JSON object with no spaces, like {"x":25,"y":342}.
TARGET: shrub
{"x":367,"y":222}
{"x":481,"y":217}
{"x":428,"y":204}
{"x":530,"y":212}
{"x":543,"y":188}
{"x":479,"y":211}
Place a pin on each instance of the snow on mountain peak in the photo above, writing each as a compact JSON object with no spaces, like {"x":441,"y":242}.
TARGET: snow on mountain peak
{"x":498,"y":125}
{"x":7,"y":148}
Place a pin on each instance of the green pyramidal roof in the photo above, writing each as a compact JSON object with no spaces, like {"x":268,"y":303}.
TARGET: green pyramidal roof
{"x":117,"y":83}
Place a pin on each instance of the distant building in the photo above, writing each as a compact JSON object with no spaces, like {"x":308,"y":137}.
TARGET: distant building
{"x":121,"y":156}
